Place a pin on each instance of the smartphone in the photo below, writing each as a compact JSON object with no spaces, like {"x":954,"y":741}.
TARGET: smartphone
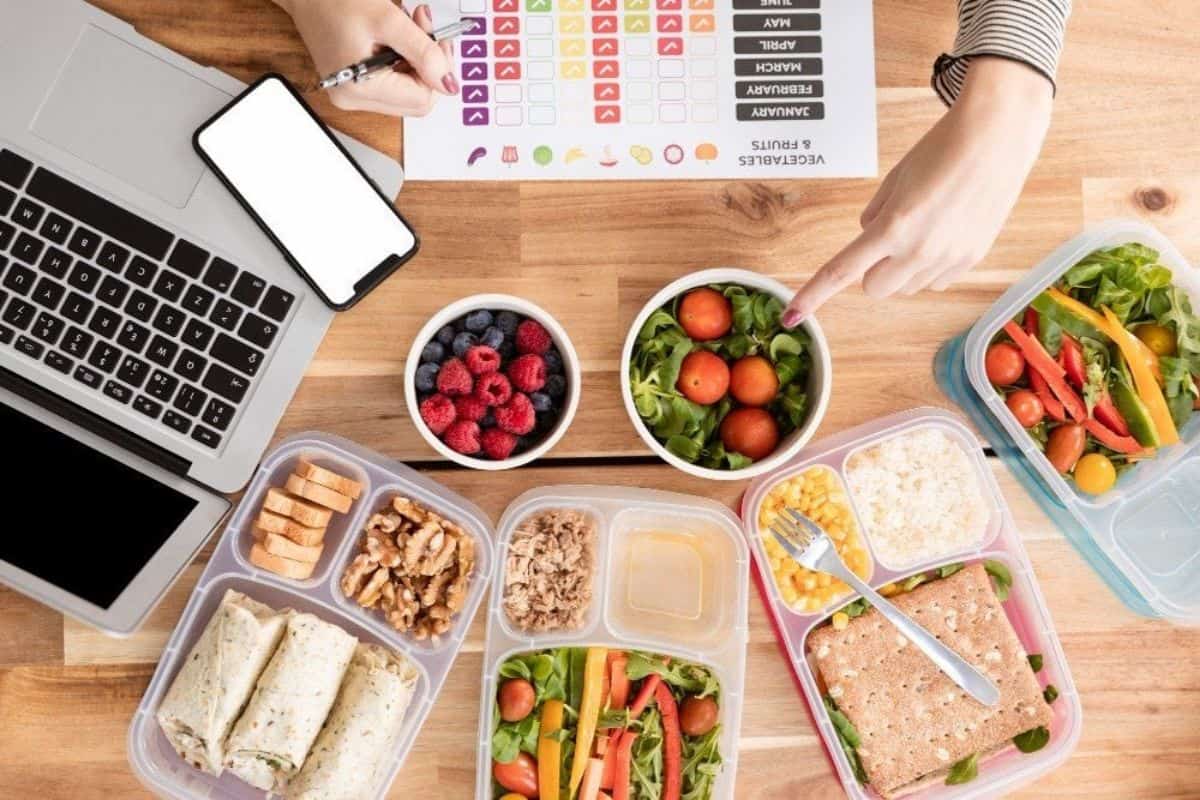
{"x":304,"y":190}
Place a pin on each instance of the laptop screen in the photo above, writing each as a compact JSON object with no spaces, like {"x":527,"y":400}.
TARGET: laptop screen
{"x":77,"y":518}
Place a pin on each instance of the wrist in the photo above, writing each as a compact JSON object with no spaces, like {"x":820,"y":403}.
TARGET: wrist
{"x":1007,"y":83}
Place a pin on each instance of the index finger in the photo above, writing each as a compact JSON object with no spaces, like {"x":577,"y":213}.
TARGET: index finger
{"x":419,"y":49}
{"x":850,"y":264}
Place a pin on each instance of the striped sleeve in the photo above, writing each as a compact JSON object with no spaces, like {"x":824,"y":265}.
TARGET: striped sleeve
{"x":1029,"y":31}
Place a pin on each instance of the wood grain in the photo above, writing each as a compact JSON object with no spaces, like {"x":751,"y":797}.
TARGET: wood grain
{"x":1123,"y":143}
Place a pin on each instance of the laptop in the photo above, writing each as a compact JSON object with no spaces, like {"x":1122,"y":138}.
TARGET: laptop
{"x":151,"y":335}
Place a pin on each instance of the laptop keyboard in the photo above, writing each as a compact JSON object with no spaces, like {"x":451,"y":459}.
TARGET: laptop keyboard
{"x":127,"y":308}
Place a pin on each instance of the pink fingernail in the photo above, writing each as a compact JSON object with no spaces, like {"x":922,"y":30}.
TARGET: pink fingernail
{"x":450,"y":83}
{"x":792,"y":318}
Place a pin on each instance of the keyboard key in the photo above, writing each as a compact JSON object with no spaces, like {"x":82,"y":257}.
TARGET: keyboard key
{"x":226,"y":314}
{"x":84,"y":276}
{"x":277,"y":303}
{"x":191,"y":365}
{"x":248,"y":289}
{"x":28,"y":213}
{"x":162,"y":351}
{"x":141,"y":305}
{"x":188,"y":258}
{"x":14,"y":169}
{"x":77,"y":341}
{"x":162,"y":386}
{"x":206,"y":437}
{"x":169,"y":285}
{"x":91,"y":209}
{"x":228,"y":384}
{"x":104,"y":357}
{"x":48,"y":327}
{"x":112,"y":291}
{"x":55,"y":263}
{"x":190,"y":400}
{"x":28,"y":248}
{"x":133,"y":371}
{"x":105,"y":322}
{"x":57,"y":361}
{"x":176,"y":421}
{"x":113,"y":257}
{"x":7,"y":231}
{"x":6,"y":334}
{"x":218,"y":414}
{"x":220,"y":274}
{"x":236,"y":354}
{"x":169,"y":319}
{"x":28,"y":347}
{"x":141,"y":271}
{"x":7,"y":198}
{"x":133,"y":336}
{"x":198,"y":300}
{"x":48,"y":293}
{"x":145,"y":405}
{"x":19,"y":314}
{"x":57,"y":228}
{"x":197,"y":334}
{"x":84,"y":242}
{"x":19,"y":279}
{"x":77,"y":308}
{"x":257,"y":330}
{"x":88,"y":377}
{"x":118,"y":392}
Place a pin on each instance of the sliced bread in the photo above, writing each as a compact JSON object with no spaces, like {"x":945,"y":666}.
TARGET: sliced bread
{"x":329,"y":479}
{"x":306,"y":513}
{"x":321,"y":495}
{"x":270,"y":522}
{"x":284,"y":567}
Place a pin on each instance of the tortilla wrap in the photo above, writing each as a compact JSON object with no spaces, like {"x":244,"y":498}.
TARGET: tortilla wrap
{"x":217,"y":679}
{"x":349,"y":756}
{"x":290,"y":703}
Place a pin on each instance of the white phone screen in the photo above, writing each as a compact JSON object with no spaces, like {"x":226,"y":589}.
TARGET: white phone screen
{"x":305,"y":191}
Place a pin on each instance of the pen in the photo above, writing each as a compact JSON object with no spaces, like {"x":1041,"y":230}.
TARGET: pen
{"x":389,"y":57}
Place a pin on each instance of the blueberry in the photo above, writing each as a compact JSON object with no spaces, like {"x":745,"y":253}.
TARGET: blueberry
{"x":478,"y":321}
{"x":460,"y":324}
{"x":489,"y":419}
{"x":507,"y":321}
{"x":507,"y":349}
{"x":556,"y":385}
{"x":493,"y":337}
{"x":446,"y":335}
{"x":427,"y":377}
{"x":554,"y":362}
{"x":464,"y":342}
{"x":541,"y":402}
{"x":433,"y":353}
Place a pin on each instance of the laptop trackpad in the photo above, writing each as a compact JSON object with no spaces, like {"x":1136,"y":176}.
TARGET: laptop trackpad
{"x":131,"y":114}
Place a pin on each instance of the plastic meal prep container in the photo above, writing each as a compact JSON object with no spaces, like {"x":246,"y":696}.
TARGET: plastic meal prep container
{"x":154,"y":761}
{"x":1025,"y":606}
{"x":718,"y":602}
{"x":1143,"y":535}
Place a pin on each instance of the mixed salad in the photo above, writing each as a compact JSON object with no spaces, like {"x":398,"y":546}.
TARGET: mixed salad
{"x":1102,"y":368}
{"x":717,"y":379}
{"x":599,"y":724}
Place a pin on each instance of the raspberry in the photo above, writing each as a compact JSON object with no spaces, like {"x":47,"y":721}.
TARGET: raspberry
{"x":470,"y":408}
{"x":493,"y":389}
{"x":497,"y":444}
{"x":482,"y":360}
{"x":454,"y":378}
{"x":532,"y":337}
{"x":463,"y":437}
{"x":438,"y":412}
{"x":527,"y":372}
{"x":516,"y":416}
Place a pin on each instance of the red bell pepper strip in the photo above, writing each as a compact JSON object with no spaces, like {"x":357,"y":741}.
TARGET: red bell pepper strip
{"x":1071,"y":358}
{"x":623,"y":766}
{"x":1039,"y":360}
{"x":1121,"y":444}
{"x":617,"y":679}
{"x":672,"y":742}
{"x":644,"y":694}
{"x":610,"y":760}
{"x":1106,"y":412}
{"x":1036,"y":382}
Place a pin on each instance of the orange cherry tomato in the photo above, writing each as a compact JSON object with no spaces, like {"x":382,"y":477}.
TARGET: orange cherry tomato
{"x":1004,"y":364}
{"x":519,"y":775}
{"x":516,"y":699}
{"x":703,"y":377}
{"x":750,"y":431}
{"x":1065,"y":445}
{"x":753,"y":381}
{"x":705,"y":314}
{"x":698,"y":715}
{"x":1026,"y":407}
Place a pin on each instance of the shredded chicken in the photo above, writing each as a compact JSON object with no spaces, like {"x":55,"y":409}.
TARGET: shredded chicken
{"x":548,"y":575}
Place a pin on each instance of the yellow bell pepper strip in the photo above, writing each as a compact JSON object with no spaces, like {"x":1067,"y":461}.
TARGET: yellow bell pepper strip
{"x":549,"y":750}
{"x":589,"y":713}
{"x":1143,"y":380}
{"x":1041,"y":362}
{"x":1109,"y":328}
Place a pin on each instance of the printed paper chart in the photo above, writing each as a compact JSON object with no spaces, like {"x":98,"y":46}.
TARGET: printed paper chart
{"x":629,"y":89}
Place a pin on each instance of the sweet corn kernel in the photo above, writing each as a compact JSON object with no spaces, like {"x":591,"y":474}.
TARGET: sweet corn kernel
{"x":840,"y":620}
{"x":888,"y":589}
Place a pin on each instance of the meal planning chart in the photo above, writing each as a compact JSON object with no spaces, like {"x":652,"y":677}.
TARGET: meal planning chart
{"x":571,"y":89}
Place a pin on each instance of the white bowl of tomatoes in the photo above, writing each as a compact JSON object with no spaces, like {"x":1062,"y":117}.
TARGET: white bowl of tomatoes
{"x":713,"y":382}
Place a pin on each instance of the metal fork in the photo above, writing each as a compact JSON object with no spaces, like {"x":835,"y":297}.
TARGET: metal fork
{"x":812,"y":548}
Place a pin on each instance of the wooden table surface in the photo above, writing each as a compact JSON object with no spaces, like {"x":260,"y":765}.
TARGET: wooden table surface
{"x":1124,"y":142}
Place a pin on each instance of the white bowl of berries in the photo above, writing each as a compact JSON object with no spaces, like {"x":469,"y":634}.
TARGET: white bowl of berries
{"x":492,"y":381}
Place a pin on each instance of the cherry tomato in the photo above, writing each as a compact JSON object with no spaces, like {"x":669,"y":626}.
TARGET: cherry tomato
{"x":750,"y":431}
{"x":516,"y":698}
{"x":1158,"y":338}
{"x":519,"y":775}
{"x":1095,"y":474}
{"x":705,"y":314}
{"x":698,"y":715}
{"x":1004,"y":364}
{"x":1065,"y":446}
{"x":703,"y":377}
{"x":1026,"y":407}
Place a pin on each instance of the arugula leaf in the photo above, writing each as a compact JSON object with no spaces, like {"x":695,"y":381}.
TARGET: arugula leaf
{"x":701,"y":764}
{"x":1050,"y":693}
{"x":1002,"y":578}
{"x":848,"y":737}
{"x":691,"y":678}
{"x":646,"y":762}
{"x":1035,"y":662}
{"x":963,"y":771}
{"x":856,"y":608}
{"x":1032,"y":740}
